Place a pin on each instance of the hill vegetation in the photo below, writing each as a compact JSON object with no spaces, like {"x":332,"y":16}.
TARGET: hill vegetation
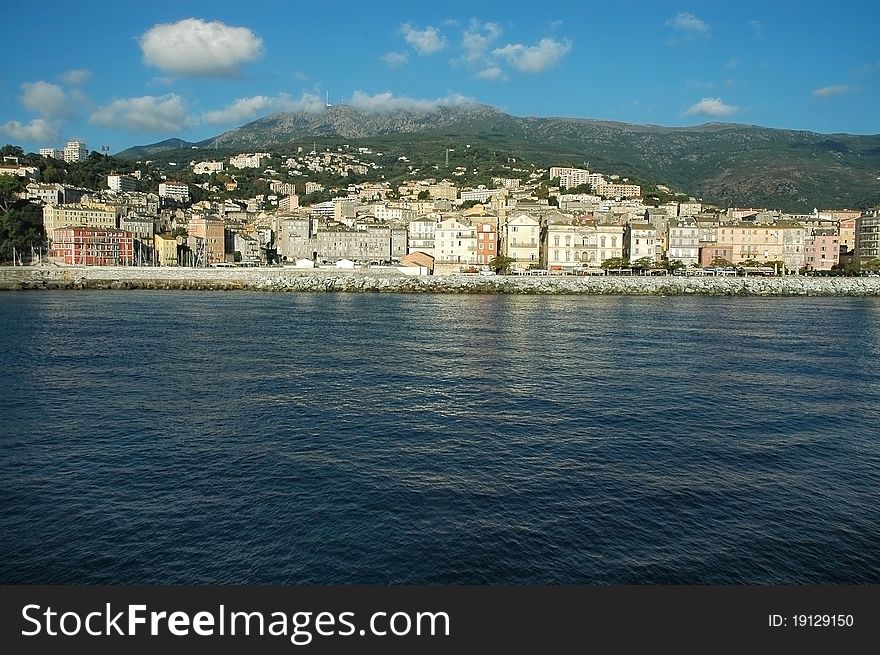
{"x":723,"y":164}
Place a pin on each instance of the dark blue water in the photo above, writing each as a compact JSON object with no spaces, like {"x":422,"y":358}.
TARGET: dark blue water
{"x":308,"y":438}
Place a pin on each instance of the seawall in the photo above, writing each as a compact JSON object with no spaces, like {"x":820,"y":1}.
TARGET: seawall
{"x":391,"y":281}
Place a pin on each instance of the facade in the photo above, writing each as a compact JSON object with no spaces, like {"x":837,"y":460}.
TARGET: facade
{"x":207,"y":167}
{"x":562,"y":244}
{"x":868,"y":236}
{"x":443,"y":190}
{"x":821,"y":250}
{"x":48,"y":194}
{"x":296,"y":239}
{"x":618,"y":190}
{"x":487,"y":238}
{"x":121,"y":183}
{"x":56,"y":216}
{"x":207,"y":240}
{"x":420,"y":235}
{"x":90,"y":246}
{"x":165,"y":249}
{"x":640,"y":242}
{"x":249,"y":160}
{"x":763,"y":242}
{"x":248,"y":247}
{"x":75,"y":152}
{"x":455,"y":246}
{"x":521,"y":239}
{"x":178,"y":191}
{"x":54,"y":153}
{"x":365,"y":243}
{"x":683,"y":243}
{"x":609,"y":241}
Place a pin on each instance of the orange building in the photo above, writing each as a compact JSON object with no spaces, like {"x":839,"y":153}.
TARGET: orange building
{"x":91,"y":246}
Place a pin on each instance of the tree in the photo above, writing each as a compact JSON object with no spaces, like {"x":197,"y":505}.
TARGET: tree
{"x":751,"y":262}
{"x":643,"y":263}
{"x":501,"y":264}
{"x":9,"y":186}
{"x":675,"y":265}
{"x":615,"y":262}
{"x":21,"y":228}
{"x":424,"y":195}
{"x":720,"y":261}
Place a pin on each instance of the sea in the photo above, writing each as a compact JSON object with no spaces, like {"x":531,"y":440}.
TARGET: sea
{"x":334,"y":438}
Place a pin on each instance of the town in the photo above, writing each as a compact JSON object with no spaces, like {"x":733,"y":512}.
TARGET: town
{"x":561,"y":220}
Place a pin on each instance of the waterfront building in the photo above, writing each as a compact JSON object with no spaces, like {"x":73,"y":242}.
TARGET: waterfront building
{"x":89,"y":246}
{"x":420,"y":235}
{"x":640,"y":242}
{"x":683,"y":243}
{"x":520,"y":240}
{"x":822,"y":249}
{"x":56,"y":216}
{"x":165,"y":248}
{"x":206,"y":239}
{"x":868,"y":236}
{"x":455,"y":246}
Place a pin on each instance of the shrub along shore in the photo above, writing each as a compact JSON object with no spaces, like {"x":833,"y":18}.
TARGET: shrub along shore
{"x":391,"y":281}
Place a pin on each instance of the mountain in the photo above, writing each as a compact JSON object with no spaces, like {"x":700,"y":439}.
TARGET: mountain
{"x":722,"y":163}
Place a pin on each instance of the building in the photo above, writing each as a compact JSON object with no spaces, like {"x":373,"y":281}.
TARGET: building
{"x":57,"y":216}
{"x":520,"y":240}
{"x":562,"y":243}
{"x":165,"y":250}
{"x":683,"y":243}
{"x":821,"y":249}
{"x":868,"y":236}
{"x":640,"y":242}
{"x":618,"y":190}
{"x":444,"y":190}
{"x":249,"y":160}
{"x":420,"y":235}
{"x":313,"y":187}
{"x":178,"y":191}
{"x":48,"y":194}
{"x":54,"y":153}
{"x":455,"y":246}
{"x":88,"y":246}
{"x":762,"y":242}
{"x":121,"y":183}
{"x":364,"y":243}
{"x":206,"y":239}
{"x":487,"y":238}
{"x":207,"y":167}
{"x":75,"y":152}
{"x":609,"y":242}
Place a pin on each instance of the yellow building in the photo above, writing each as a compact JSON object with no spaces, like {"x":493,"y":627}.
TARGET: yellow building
{"x":55,"y":216}
{"x":166,"y":250}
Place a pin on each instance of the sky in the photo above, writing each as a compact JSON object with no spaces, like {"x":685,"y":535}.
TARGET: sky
{"x":118,"y":74}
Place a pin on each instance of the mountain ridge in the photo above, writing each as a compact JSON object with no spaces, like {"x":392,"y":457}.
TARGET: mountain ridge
{"x":723,"y":163}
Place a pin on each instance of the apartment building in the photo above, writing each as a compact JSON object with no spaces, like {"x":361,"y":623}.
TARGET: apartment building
{"x":521,"y":240}
{"x":90,"y":246}
{"x":75,"y":152}
{"x":178,"y":191}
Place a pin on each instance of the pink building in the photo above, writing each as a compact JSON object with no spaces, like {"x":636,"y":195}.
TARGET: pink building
{"x":91,"y":246}
{"x":821,"y":251}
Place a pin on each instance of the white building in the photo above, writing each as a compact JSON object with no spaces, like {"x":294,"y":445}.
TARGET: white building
{"x":175,"y":190}
{"x":249,"y":160}
{"x":641,"y":242}
{"x":420,"y":235}
{"x":455,"y":246}
{"x":206,"y":167}
{"x":684,"y":243}
{"x":54,"y":153}
{"x":75,"y":152}
{"x":121,"y":183}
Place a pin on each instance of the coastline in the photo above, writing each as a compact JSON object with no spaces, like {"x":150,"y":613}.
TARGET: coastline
{"x":392,"y":281}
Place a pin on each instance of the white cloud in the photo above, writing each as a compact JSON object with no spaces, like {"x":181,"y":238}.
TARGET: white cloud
{"x":477,"y":39}
{"x":491,"y":73}
{"x":426,"y":41}
{"x":161,"y":114}
{"x":75,"y":77}
{"x":534,"y":58}
{"x":46,"y":99}
{"x":395,"y":59}
{"x":387,"y":102}
{"x":714,"y":107}
{"x":835,"y":90}
{"x":244,"y":109}
{"x":688,"y":24}
{"x":38,"y":129}
{"x":197,"y":47}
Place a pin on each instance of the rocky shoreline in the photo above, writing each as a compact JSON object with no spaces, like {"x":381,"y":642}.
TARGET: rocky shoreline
{"x":391,"y":281}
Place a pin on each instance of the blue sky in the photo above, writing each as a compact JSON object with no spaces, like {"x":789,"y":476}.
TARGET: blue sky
{"x":121,"y":73}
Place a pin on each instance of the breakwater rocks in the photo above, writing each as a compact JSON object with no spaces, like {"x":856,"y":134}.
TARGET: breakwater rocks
{"x":392,"y":281}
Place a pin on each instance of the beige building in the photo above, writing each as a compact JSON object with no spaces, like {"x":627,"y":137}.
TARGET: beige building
{"x":166,"y":250}
{"x":521,"y":240}
{"x":55,"y":216}
{"x":763,"y":242}
{"x":455,"y":246}
{"x":207,"y":240}
{"x":683,"y":243}
{"x":609,"y":241}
